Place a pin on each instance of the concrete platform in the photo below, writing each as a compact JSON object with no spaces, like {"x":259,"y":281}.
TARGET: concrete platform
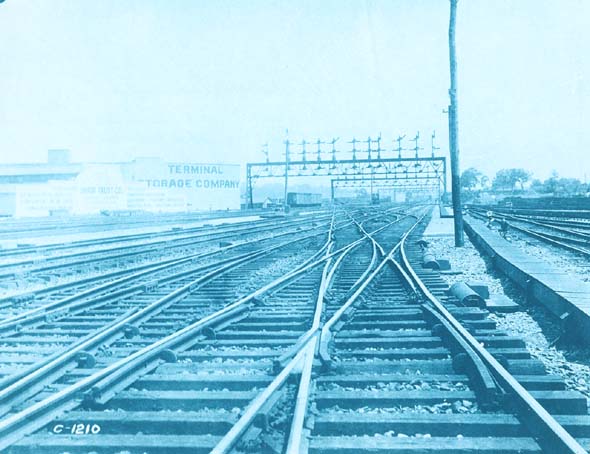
{"x":439,"y":226}
{"x":565,"y":296}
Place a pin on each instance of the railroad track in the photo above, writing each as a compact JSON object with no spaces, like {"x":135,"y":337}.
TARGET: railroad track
{"x":52,"y":269}
{"x":15,"y":229}
{"x":548,"y":232}
{"x":54,"y":327}
{"x":175,"y":233}
{"x":357,"y":350}
{"x":104,"y":278}
{"x":403,"y":378}
{"x":269,"y":321}
{"x":580,"y":217}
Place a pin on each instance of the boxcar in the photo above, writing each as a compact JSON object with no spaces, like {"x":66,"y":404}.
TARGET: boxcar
{"x":303,"y":199}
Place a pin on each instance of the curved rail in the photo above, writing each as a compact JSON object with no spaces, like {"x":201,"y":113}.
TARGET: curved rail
{"x":551,"y":435}
{"x":304,"y":353}
{"x":492,"y":383}
{"x":79,"y":300}
{"x":119,"y":372}
{"x":106,"y":379}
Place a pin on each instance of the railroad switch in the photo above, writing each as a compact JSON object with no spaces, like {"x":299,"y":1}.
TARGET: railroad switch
{"x":422,"y":243}
{"x":130,"y":331}
{"x":85,"y":360}
{"x":169,"y":356}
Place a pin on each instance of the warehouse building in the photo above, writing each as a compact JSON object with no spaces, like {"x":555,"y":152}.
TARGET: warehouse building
{"x":141,"y":185}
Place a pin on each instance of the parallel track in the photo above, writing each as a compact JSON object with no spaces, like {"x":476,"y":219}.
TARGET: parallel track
{"x":357,"y":350}
{"x":108,"y":280}
{"x":560,"y":236}
{"x":52,"y":268}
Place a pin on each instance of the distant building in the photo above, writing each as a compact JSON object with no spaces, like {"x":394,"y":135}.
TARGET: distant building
{"x":144,"y":184}
{"x":272,"y":203}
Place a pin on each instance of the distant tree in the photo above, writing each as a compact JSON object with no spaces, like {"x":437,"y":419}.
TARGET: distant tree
{"x":484,"y":181}
{"x":508,"y":178}
{"x":470,"y":178}
{"x":520,"y":176}
{"x":537,"y":185}
{"x":570,"y":186}
{"x":550,"y":185}
{"x":559,"y":186}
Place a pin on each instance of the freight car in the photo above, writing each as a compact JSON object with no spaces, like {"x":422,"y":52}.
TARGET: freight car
{"x":303,"y":199}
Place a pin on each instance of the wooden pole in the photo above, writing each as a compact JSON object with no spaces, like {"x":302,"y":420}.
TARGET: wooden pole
{"x":285,"y":204}
{"x":249,"y":190}
{"x":454,"y":131}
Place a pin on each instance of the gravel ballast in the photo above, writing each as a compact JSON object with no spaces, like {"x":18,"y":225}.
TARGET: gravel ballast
{"x":533,"y":324}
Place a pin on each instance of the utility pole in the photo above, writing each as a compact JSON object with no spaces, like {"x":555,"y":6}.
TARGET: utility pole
{"x":285,"y":205}
{"x":434,"y":148}
{"x":454,"y":131}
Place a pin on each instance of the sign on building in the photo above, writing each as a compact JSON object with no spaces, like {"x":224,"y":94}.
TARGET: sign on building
{"x":100,"y":187}
{"x":155,"y":185}
{"x":148,"y":184}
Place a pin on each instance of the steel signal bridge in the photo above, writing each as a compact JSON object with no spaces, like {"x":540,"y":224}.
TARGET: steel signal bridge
{"x":365,"y":164}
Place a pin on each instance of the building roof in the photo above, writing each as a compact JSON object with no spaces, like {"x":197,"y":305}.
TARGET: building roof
{"x":37,"y":173}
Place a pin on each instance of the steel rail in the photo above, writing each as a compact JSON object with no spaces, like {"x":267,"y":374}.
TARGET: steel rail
{"x":364,"y":232}
{"x":17,"y":388}
{"x":294,"y":442}
{"x":102,"y":259}
{"x":306,"y":354}
{"x":108,"y":387}
{"x":551,"y":239}
{"x":360,"y":285}
{"x":548,"y":220}
{"x":551,"y":435}
{"x":255,"y":406}
{"x":544,"y":224}
{"x":557,"y":228}
{"x":138,"y":221}
{"x":103,"y":382}
{"x":285,"y":357}
{"x":488,"y":391}
{"x":326,"y":333}
{"x":570,"y":215}
{"x":8,"y":301}
{"x":38,"y":414}
{"x":184,"y":233}
{"x":66,"y":305}
{"x":30,"y":294}
{"x":15,"y":384}
{"x":229,"y":439}
{"x":579,"y":226}
{"x":73,"y":301}
{"x":304,"y":351}
{"x":29,"y":378}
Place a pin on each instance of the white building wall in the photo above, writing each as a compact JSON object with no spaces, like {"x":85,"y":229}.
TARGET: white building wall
{"x":151,"y":185}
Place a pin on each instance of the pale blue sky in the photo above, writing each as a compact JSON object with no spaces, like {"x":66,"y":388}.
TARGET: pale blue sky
{"x":213,"y":80}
